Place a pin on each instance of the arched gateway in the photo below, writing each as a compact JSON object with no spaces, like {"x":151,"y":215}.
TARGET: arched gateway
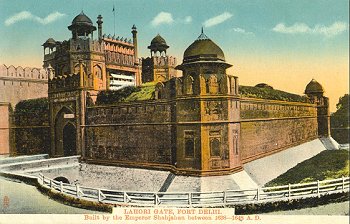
{"x":65,"y":133}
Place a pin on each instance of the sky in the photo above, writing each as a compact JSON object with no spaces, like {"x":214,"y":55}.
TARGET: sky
{"x":284,"y":43}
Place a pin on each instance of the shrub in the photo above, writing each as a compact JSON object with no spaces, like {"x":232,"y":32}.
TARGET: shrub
{"x":270,"y":94}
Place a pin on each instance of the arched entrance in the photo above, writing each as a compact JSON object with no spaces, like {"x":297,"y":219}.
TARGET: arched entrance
{"x":65,"y":133}
{"x":69,"y":140}
{"x":62,"y":179}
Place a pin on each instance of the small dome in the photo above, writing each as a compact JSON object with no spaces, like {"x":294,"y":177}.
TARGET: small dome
{"x":158,"y":44}
{"x":49,"y":42}
{"x":81,"y":25}
{"x":313,"y":87}
{"x":263,"y":85}
{"x":82,"y":19}
{"x":158,"y":40}
{"x":203,"y":47}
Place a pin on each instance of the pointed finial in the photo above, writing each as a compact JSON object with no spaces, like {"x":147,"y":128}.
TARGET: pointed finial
{"x":202,"y":36}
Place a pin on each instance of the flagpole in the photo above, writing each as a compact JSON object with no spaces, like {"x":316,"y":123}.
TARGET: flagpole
{"x":114,"y":17}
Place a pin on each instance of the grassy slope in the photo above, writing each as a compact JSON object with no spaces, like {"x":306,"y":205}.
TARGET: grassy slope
{"x":326,"y":165}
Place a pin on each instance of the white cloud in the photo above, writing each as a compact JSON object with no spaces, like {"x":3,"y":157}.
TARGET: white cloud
{"x":329,"y":31}
{"x":240,"y":30}
{"x":162,"y":18}
{"x":188,"y":19}
{"x":217,"y":19}
{"x":26,"y":15}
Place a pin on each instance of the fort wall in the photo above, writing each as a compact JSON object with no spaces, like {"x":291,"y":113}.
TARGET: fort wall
{"x":144,"y":133}
{"x":269,"y":126}
{"x":4,"y":128}
{"x":130,"y":133}
{"x":19,"y":83}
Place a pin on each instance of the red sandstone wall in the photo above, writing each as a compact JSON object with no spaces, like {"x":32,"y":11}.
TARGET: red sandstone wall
{"x":129,"y":134}
{"x":19,"y":83}
{"x":4,"y":129}
{"x":270,"y":126}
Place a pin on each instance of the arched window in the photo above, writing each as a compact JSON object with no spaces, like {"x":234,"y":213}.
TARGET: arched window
{"x":189,"y":147}
{"x":189,"y":85}
{"x":189,"y":144}
{"x":215,"y":147}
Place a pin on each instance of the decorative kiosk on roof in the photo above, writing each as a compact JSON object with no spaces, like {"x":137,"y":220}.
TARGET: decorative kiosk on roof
{"x":158,"y":44}
{"x":159,"y":67}
{"x":82,"y":26}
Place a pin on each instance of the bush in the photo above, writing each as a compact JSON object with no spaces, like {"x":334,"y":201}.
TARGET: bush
{"x":32,"y":112}
{"x":114,"y":96}
{"x":270,"y":94}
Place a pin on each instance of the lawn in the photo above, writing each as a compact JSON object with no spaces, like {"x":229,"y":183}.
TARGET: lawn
{"x":328,"y":164}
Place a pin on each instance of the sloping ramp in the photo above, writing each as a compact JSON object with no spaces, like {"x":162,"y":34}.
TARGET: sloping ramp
{"x":268,"y":168}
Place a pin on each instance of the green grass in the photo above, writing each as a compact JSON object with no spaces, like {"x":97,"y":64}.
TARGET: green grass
{"x":146,"y":93}
{"x":126,"y":94}
{"x":328,"y":164}
{"x":270,"y":94}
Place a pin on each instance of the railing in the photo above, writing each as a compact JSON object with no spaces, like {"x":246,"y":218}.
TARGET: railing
{"x":200,"y":199}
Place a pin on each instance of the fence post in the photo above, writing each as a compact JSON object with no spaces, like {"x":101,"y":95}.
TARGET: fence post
{"x":343,"y":183}
{"x":318,"y":188}
{"x":155,"y":199}
{"x":99,"y":195}
{"x":77,"y":189}
{"x":225,"y":198}
{"x":125,"y":198}
{"x":258,"y":194}
{"x":190,"y":199}
{"x":50,"y":183}
{"x":61,"y":186}
{"x":289,"y":191}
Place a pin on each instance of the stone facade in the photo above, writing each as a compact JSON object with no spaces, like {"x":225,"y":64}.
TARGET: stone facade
{"x":17,"y":84}
{"x":78,"y":69}
{"x":294,"y":122}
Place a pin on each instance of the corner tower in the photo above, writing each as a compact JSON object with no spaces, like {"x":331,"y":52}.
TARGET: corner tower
{"x":315,"y":91}
{"x":207,"y":108}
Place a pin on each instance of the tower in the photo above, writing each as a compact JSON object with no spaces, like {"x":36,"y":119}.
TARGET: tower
{"x":159,"y":67}
{"x":208,"y":110}
{"x":315,"y":91}
{"x":99,"y":27}
{"x":77,"y":72}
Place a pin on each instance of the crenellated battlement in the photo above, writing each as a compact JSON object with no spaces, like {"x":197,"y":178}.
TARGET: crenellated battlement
{"x":27,"y":73}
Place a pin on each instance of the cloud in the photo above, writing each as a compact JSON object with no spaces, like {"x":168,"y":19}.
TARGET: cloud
{"x":240,"y":30}
{"x":162,"y":18}
{"x":188,"y":19}
{"x":217,"y":19}
{"x":26,"y":15}
{"x":297,"y":28}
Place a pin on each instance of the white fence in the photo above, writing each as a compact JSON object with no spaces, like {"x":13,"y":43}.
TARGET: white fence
{"x":200,"y":199}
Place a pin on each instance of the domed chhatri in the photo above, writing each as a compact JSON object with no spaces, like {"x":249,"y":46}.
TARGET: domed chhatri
{"x":82,"y":19}
{"x":314,"y":88}
{"x":158,"y":44}
{"x":204,"y":49}
{"x":49,"y":43}
{"x":81,"y":26}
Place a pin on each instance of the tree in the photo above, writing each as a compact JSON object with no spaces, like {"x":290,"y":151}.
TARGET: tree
{"x":340,"y":120}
